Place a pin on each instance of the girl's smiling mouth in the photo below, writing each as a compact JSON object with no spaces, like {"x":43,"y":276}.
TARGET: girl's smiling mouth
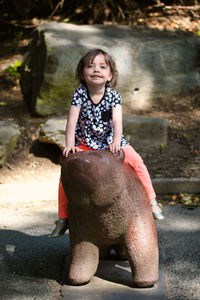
{"x":96,"y":76}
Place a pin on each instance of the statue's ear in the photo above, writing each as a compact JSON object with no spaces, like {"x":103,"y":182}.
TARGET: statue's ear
{"x":120,"y":155}
{"x":62,"y":158}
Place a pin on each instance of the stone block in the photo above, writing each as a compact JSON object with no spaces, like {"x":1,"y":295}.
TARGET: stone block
{"x":151,"y":63}
{"x":9,"y":135}
{"x":144,"y":134}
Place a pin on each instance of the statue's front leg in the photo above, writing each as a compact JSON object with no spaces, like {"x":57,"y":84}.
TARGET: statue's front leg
{"x":142,"y":249}
{"x":84,"y":261}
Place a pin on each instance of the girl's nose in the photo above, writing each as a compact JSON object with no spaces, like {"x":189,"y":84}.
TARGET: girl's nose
{"x":96,"y":69}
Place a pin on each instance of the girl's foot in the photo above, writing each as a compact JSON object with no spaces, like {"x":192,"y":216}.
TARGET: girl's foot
{"x":61,"y":226}
{"x":157,"y":212}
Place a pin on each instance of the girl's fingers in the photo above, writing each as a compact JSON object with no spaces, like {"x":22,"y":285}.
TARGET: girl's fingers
{"x":67,"y":150}
{"x":114,"y":148}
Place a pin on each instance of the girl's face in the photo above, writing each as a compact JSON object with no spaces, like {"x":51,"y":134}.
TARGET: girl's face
{"x":97,"y":73}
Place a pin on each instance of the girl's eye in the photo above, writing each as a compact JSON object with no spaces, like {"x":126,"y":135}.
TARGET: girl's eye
{"x":90,"y":66}
{"x":103,"y":67}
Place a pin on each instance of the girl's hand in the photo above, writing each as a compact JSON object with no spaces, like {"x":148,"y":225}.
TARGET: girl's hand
{"x":114,"y":147}
{"x":70,"y":149}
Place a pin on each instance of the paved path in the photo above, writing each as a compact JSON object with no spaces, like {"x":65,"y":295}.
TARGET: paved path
{"x":113,"y":281}
{"x":31,"y":263}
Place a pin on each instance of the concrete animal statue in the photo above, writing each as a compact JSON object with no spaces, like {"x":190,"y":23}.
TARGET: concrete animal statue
{"x":108,"y":206}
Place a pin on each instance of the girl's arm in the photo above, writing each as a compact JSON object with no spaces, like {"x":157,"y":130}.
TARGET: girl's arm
{"x":70,"y":131}
{"x":117,"y":129}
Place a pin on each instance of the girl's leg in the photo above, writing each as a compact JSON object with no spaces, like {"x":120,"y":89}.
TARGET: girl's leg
{"x":62,"y":224}
{"x":135,"y":161}
{"x":62,"y":202}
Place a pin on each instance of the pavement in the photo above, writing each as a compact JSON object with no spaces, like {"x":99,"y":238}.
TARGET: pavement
{"x":32,"y":265}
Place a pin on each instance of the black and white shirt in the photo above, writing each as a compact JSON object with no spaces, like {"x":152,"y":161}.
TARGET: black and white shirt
{"x":94,"y":126}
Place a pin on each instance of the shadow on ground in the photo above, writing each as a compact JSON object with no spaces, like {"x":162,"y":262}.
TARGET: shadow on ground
{"x":50,"y":151}
{"x":31,"y":266}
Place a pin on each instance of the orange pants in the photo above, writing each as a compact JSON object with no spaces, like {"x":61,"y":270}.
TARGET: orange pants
{"x":133,"y":159}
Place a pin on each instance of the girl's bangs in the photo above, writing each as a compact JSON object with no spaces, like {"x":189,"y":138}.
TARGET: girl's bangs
{"x":91,"y":56}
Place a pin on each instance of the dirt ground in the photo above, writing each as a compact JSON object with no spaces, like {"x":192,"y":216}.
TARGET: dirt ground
{"x":33,"y":160}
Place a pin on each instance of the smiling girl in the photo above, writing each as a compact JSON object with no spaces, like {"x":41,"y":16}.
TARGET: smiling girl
{"x":95,"y":122}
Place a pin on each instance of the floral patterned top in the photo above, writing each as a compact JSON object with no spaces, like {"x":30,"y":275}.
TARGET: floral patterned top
{"x":94,"y":126}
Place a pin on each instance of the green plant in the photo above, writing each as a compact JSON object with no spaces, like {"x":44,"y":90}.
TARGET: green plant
{"x":162,"y":147}
{"x":13,"y":71}
{"x":20,"y":35}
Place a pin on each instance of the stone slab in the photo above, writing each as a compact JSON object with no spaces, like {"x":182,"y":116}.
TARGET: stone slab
{"x":151,"y":63}
{"x":9,"y":135}
{"x":113,"y":281}
{"x":146,"y":134}
{"x":176,"y":185}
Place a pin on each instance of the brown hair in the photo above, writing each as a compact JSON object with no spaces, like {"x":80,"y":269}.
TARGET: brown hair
{"x":89,"y":57}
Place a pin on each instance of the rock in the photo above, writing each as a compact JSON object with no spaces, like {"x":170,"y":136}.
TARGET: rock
{"x":176,"y":185}
{"x":9,"y":135}
{"x":53,"y":131}
{"x":151,"y":63}
{"x":144,"y":134}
